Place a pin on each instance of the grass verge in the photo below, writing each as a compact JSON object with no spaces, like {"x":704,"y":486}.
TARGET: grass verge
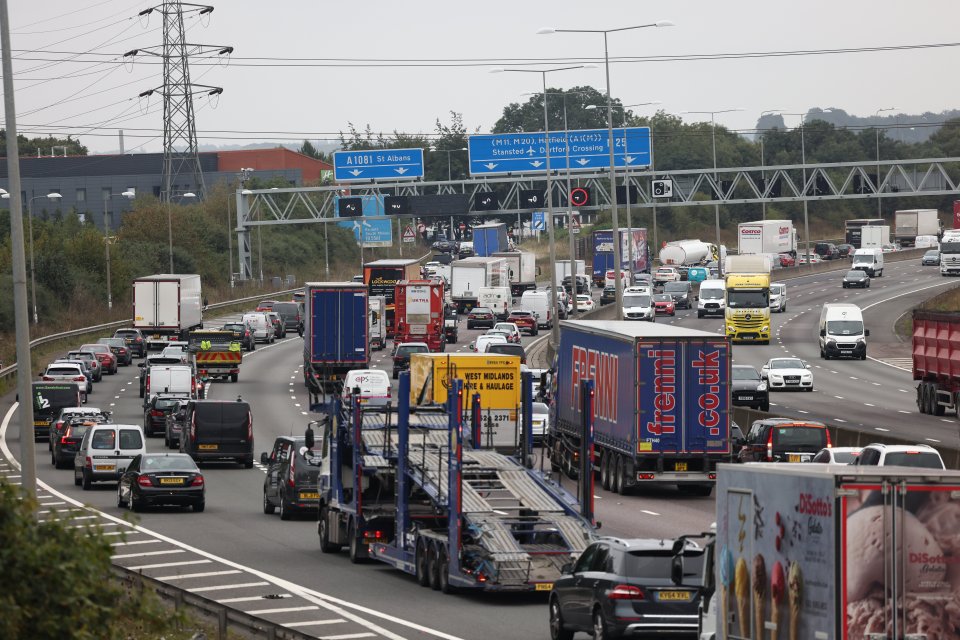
{"x":947,"y":301}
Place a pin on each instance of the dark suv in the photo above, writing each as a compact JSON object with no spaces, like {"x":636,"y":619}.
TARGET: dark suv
{"x":291,"y":313}
{"x":681,"y":292}
{"x":748,"y":389}
{"x":826,"y":250}
{"x":784,"y":440}
{"x":134,"y":340}
{"x":217,"y":430}
{"x":608,"y":296}
{"x":626,"y":588}
{"x":291,"y":482}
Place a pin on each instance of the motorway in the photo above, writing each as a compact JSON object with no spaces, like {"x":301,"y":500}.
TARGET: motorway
{"x":235,"y":554}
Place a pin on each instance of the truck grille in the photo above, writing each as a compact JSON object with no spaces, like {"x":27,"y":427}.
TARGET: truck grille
{"x":753,"y":322}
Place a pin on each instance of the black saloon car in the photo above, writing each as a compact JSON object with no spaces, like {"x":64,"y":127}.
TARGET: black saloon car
{"x":628,"y":588}
{"x":481,"y":317}
{"x":856,"y":278}
{"x":162,"y":478}
{"x":291,"y":482}
{"x":748,"y":389}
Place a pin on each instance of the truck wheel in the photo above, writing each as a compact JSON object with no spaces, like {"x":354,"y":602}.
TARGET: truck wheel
{"x":433,"y":562}
{"x":616,"y":482}
{"x":443,"y":573}
{"x":921,"y":397}
{"x":936,"y":408}
{"x":234,"y":377}
{"x":423,"y":565}
{"x":357,"y":549}
{"x":323,"y":530}
{"x":605,"y":470}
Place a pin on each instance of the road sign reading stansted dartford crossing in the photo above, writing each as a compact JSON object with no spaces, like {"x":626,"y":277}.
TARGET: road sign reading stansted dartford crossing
{"x":589,"y":150}
{"x":378,"y":164}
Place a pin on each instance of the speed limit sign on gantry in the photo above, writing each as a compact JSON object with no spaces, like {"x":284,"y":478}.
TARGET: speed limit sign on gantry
{"x":663,"y":188}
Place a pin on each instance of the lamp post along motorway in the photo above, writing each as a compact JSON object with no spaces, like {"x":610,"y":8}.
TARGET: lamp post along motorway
{"x":626,"y":179}
{"x":129,"y":195}
{"x":716,"y":207}
{"x":554,"y":295}
{"x":33,"y":271}
{"x":879,"y":205}
{"x":615,"y":223}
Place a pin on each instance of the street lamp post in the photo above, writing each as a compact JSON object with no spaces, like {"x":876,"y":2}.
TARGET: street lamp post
{"x":129,"y":195}
{"x":554,"y":296}
{"x":170,"y":224}
{"x":879,"y":205}
{"x":449,"y":166}
{"x":716,"y":207}
{"x":615,"y":223}
{"x":626,"y":180}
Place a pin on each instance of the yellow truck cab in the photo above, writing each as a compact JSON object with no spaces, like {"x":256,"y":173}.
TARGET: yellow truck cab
{"x":747,"y":315}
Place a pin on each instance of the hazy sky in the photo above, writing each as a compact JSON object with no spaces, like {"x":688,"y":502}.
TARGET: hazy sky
{"x":95,"y":96}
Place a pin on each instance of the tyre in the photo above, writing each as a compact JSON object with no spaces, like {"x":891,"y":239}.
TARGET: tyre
{"x":323,"y":530}
{"x":765,"y":407}
{"x":701,"y":490}
{"x":617,"y":483}
{"x":699,"y":314}
{"x":198,"y":507}
{"x":285,"y":512}
{"x":443,"y":573}
{"x":599,"y":626}
{"x":248,"y":463}
{"x":605,"y":471}
{"x":423,"y":565}
{"x":86,"y":483}
{"x":76,"y":477}
{"x":120,"y":503}
{"x":922,"y":397}
{"x":357,"y":549}
{"x":141,"y":392}
{"x":268,"y":507}
{"x":132,"y":502}
{"x":234,"y":377}
{"x":166,"y":441}
{"x":433,"y":560}
{"x":557,"y":631}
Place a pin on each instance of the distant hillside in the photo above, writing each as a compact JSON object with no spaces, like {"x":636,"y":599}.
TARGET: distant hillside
{"x":905,"y":127}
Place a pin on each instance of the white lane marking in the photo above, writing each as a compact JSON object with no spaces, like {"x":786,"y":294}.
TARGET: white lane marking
{"x":260,"y":612}
{"x":224,"y":587}
{"x":279,"y":596}
{"x":867,"y":404}
{"x":931,"y":440}
{"x":206,"y":574}
{"x":649,"y":513}
{"x":876,"y":384}
{"x":145,"y":554}
{"x":903,"y":391}
{"x":132,"y":542}
{"x":838,"y":397}
{"x":881,"y":429}
{"x":802,"y":411}
{"x":945,"y":420}
{"x":164,"y":565}
{"x":902,"y":411}
{"x":838,"y":420}
{"x":349,"y":636}
{"x":854,"y":378}
{"x":310,"y":623}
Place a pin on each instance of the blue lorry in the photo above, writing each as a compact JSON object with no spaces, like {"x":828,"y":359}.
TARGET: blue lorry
{"x":335,"y":336}
{"x":489,"y":239}
{"x":661,"y":405}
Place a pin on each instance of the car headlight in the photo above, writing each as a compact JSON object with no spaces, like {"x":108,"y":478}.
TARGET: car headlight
{"x":776,"y":377}
{"x":684,"y":296}
{"x":762,"y":386}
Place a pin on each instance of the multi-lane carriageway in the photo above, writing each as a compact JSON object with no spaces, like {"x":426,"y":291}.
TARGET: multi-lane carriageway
{"x":235,"y":554}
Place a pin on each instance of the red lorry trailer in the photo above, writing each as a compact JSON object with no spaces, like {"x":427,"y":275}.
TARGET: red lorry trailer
{"x":936,"y":361}
{"x":418,"y":313}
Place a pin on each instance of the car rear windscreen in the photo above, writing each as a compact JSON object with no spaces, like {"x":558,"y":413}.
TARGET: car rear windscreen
{"x":654,"y":566}
{"x":47,"y":399}
{"x":286,"y":308}
{"x":506,"y":349}
{"x":786,"y":437}
{"x":918,"y":460}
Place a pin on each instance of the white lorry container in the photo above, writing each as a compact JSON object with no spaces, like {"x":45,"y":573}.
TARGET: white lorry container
{"x":685,"y":253}
{"x":469,"y":275}
{"x":746,"y":264}
{"x":874,"y":236}
{"x":521,"y":270}
{"x":767,"y":236}
{"x":806,"y":551}
{"x":497,"y":299}
{"x":166,"y":307}
{"x":377,"y":322}
{"x":910,"y":223}
{"x":562,"y":269}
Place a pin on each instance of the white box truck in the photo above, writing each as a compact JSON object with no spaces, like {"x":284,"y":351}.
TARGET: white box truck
{"x":166,"y":307}
{"x":521,"y":270}
{"x":562,"y":269}
{"x":377,"y":322}
{"x":767,"y":236}
{"x":469,"y":275}
{"x":910,"y":223}
{"x":874,"y":236}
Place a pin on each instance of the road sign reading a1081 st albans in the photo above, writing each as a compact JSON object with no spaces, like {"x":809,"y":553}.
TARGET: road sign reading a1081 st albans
{"x":378,"y":164}
{"x":589,"y":150}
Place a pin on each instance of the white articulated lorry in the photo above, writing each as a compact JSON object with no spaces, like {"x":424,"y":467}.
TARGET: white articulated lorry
{"x":767,"y":236}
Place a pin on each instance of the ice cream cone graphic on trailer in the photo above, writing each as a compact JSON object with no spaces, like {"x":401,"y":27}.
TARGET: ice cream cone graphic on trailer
{"x":795,"y":592}
{"x":759,"y":595}
{"x":778,"y":583}
{"x":742,"y":585}
{"x":726,"y":582}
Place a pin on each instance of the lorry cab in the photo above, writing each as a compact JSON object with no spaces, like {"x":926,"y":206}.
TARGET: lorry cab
{"x":869,"y":260}
{"x":842,"y":333}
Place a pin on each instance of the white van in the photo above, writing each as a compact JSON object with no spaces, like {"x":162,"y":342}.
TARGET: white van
{"x":926,"y":242}
{"x":539,"y":303}
{"x":261,"y":325}
{"x":497,"y":299}
{"x":374,"y":386}
{"x":869,"y":260}
{"x":169,"y":379}
{"x":778,"y":297}
{"x":712,"y":293}
{"x":842,"y":333}
{"x":106,"y":451}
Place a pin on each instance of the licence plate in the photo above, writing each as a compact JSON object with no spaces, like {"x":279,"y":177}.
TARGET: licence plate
{"x":171,"y":480}
{"x":41,"y":423}
{"x":745,"y":396}
{"x":674,"y":596}
{"x":543,"y":586}
{"x":208,"y":447}
{"x":794,"y":458}
{"x":679,"y":466}
{"x":309,"y":495}
{"x":103,"y":467}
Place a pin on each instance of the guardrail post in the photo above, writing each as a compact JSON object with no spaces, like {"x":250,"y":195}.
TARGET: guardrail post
{"x":222,"y":624}
{"x":272,"y":633}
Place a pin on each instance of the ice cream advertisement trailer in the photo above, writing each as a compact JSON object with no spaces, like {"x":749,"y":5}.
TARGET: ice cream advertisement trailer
{"x":824,"y":552}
